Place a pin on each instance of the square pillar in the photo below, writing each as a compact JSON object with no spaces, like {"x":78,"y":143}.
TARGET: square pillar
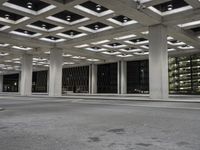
{"x":26,"y":75}
{"x":55,"y":72}
{"x":119,"y":77}
{"x":122,"y":77}
{"x":1,"y":83}
{"x":93,"y":79}
{"x":158,"y":62}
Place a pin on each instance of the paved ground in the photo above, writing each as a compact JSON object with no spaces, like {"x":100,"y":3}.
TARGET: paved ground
{"x":64,"y":124}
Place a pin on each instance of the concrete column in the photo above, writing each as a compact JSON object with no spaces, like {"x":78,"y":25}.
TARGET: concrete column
{"x":48,"y":81}
{"x":119,"y":77}
{"x":1,"y":83}
{"x":93,"y":79}
{"x":26,"y":75}
{"x":19,"y":81}
{"x":123,"y":77}
{"x":158,"y":62}
{"x":55,"y":72}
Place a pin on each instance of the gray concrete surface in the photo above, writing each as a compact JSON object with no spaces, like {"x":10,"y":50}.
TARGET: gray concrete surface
{"x":65,"y":124}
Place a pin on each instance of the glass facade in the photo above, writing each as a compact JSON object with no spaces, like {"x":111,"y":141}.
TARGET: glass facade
{"x":138,"y":77}
{"x":184,"y":75}
{"x":10,"y":83}
{"x":76,"y":79}
{"x":107,"y":78}
{"x":39,"y":82}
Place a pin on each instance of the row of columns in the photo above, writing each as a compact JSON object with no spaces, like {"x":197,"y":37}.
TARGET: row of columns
{"x":158,"y":69}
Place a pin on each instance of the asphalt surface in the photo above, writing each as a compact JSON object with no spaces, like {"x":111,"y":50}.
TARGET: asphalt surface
{"x":77,"y":124}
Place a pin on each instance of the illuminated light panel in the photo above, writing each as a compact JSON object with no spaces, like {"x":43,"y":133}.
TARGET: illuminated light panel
{"x":81,"y":46}
{"x":68,"y":63}
{"x":125,"y":37}
{"x":25,"y":35}
{"x":170,"y":38}
{"x":22,"y":48}
{"x":171,"y":49}
{"x":42,"y":29}
{"x":137,"y":43}
{"x":79,"y":57}
{"x":171,"y":11}
{"x":131,"y":50}
{"x":3,"y":54}
{"x":100,"y":42}
{"x":93,"y":59}
{"x":111,"y":52}
{"x":185,"y":47}
{"x":141,"y":53}
{"x":124,"y":55}
{"x":122,"y":23}
{"x":14,"y":22}
{"x":145,"y":46}
{"x":115,"y":46}
{"x":53,"y":41}
{"x":95,"y":49}
{"x":4,"y":28}
{"x":4,"y":44}
{"x":89,"y":11}
{"x":67,"y":55}
{"x":70,"y":36}
{"x":67,"y":22}
{"x":95,"y":31}
{"x":189,"y":24}
{"x":176,"y":43}
{"x":145,"y":32}
{"x":23,"y":9}
{"x":47,"y":52}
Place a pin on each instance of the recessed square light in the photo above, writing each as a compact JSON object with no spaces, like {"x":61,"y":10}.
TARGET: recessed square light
{"x":130,"y":49}
{"x":170,"y":7}
{"x":22,"y":48}
{"x":52,"y":39}
{"x":96,"y":49}
{"x":112,"y":52}
{"x":44,"y":26}
{"x":68,"y":17}
{"x":34,"y":7}
{"x":11,"y":18}
{"x":96,"y":27}
{"x":25,"y":33}
{"x":94,"y":9}
{"x":138,"y":41}
{"x":72,"y":34}
{"x":122,"y":20}
{"x":115,"y":45}
{"x":124,"y":55}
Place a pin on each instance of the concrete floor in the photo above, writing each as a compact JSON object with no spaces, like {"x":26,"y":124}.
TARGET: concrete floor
{"x":64,"y":124}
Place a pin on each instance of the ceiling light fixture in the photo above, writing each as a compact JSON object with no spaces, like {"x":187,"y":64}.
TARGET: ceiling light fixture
{"x":43,"y":26}
{"x":7,"y":16}
{"x":96,"y":27}
{"x":125,"y":19}
{"x":29,"y":5}
{"x":71,"y":33}
{"x":169,"y":7}
{"x":68,"y":18}
{"x":98,"y":7}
